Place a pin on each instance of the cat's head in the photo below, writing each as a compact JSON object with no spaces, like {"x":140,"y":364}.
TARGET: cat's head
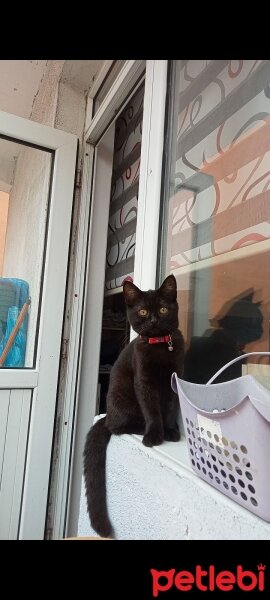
{"x":152,"y":313}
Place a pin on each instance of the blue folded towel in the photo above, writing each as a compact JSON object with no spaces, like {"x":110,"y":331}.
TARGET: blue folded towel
{"x":13,"y":294}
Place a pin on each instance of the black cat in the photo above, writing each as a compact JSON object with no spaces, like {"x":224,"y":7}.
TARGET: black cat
{"x":140,"y":399}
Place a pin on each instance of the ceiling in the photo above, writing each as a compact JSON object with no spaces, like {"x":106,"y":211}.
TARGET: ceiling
{"x":20,"y":81}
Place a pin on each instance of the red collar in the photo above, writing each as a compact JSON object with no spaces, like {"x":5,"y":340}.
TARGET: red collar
{"x":156,"y":340}
{"x":159,"y":340}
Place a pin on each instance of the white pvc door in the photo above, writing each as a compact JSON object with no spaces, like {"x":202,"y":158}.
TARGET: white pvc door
{"x":37,"y":167}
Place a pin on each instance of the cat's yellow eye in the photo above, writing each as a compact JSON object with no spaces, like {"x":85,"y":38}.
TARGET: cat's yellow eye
{"x":163,"y":310}
{"x":143,"y":312}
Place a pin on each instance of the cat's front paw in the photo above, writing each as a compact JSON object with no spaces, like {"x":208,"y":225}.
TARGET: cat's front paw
{"x":172,"y":435}
{"x":153,"y":438}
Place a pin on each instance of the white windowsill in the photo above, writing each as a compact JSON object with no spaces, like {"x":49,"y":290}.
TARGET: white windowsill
{"x":176,"y":453}
{"x":175,"y":456}
{"x":183,"y":506}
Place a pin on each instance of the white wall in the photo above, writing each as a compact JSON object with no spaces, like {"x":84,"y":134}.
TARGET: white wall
{"x":152,"y":497}
{"x":4,"y":202}
{"x":19,"y":83}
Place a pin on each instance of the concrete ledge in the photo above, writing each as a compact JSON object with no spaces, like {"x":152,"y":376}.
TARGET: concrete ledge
{"x":154,"y":494}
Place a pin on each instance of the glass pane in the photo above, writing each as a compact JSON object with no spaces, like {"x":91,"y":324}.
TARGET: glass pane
{"x":124,"y":193}
{"x":216,"y":237}
{"x":25,"y":174}
{"x":114,"y":70}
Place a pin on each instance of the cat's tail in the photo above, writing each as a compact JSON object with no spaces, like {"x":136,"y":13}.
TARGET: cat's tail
{"x":95,"y":477}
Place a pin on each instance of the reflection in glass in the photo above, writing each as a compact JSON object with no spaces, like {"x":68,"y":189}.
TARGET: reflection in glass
{"x":217,"y":212}
{"x":24,"y":194}
{"x":238,"y":324}
{"x":111,"y":76}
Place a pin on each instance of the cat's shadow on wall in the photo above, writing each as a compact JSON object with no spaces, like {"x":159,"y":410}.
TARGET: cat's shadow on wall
{"x":238,"y":323}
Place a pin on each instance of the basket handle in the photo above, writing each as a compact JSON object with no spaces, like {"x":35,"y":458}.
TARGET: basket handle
{"x":234,"y":361}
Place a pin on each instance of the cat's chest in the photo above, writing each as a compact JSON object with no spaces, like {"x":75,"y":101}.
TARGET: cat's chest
{"x":157,"y":356}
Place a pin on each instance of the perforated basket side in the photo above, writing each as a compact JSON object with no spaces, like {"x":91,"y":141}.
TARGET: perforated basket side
{"x":229,"y":451}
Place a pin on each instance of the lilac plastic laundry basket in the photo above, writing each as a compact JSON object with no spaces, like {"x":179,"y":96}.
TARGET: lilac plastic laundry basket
{"x":230,"y":447}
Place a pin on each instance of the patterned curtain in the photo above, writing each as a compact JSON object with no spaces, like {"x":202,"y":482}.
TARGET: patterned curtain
{"x":222,"y":178}
{"x":124,"y":193}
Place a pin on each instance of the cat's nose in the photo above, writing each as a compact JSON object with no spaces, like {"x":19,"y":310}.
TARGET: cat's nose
{"x":153,"y":319}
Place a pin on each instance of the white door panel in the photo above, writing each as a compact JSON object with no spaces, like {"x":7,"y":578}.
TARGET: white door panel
{"x":4,"y":406}
{"x":14,"y":454}
{"x":36,"y":250}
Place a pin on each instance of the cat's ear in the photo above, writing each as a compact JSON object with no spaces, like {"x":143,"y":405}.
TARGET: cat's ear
{"x":169,"y":288}
{"x":131,"y":293}
{"x":248,"y":297}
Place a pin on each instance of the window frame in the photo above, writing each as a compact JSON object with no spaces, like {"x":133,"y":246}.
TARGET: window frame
{"x":78,"y":380}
